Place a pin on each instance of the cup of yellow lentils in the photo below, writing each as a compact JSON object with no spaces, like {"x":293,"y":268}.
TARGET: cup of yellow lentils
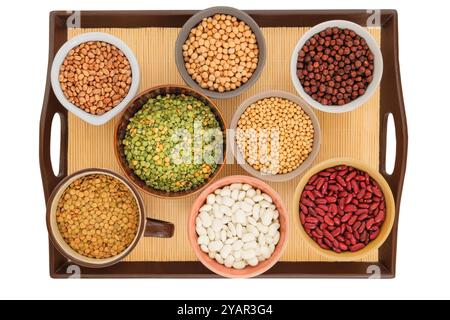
{"x":95,"y":218}
{"x":276,"y":136}
{"x":220,"y":52}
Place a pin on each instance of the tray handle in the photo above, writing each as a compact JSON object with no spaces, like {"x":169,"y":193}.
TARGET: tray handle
{"x":392,"y":103}
{"x":52,"y":108}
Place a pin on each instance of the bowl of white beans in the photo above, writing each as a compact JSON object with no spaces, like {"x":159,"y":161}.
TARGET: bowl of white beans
{"x":238,"y":227}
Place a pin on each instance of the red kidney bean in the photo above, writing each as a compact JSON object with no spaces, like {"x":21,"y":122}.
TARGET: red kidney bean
{"x":380,"y":217}
{"x":310,"y":226}
{"x":346,"y":217}
{"x":342,"y":209}
{"x":350,"y":208}
{"x":363,"y":217}
{"x":328,"y":221}
{"x":320,"y":212}
{"x":312,"y":220}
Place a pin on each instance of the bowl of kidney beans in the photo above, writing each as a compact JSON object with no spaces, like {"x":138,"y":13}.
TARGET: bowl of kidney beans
{"x":346,"y":209}
{"x":336,"y":66}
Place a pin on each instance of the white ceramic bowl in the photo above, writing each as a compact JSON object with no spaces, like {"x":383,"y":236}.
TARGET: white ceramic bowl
{"x":378,"y":64}
{"x":59,"y":59}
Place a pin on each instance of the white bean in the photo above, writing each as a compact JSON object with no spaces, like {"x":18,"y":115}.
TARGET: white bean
{"x":225,"y":192}
{"x":227,"y":201}
{"x":215,"y":245}
{"x":236,"y":186}
{"x":206,"y":219}
{"x":229,"y":261}
{"x":203,"y":240}
{"x":216,"y":211}
{"x":204,"y":248}
{"x":211,"y":234}
{"x":246,"y":187}
{"x":265,"y":252}
{"x":217,"y":225}
{"x":241,"y":196}
{"x":276,"y":238}
{"x":257,"y":198}
{"x":250,"y":202}
{"x":235,"y":195}
{"x":247,"y":237}
{"x":251,"y":245}
{"x":226,"y":250}
{"x":246,"y":207}
{"x":200,"y":230}
{"x":266,"y":218}
{"x":218,"y":258}
{"x":267,"y":197}
{"x":237,"y":245}
{"x":239,"y":217}
{"x":253,"y":262}
{"x":255,"y":212}
{"x":211,"y":199}
{"x":223,"y":236}
{"x":248,"y":254}
{"x":239,"y":265}
{"x":264,"y":204}
{"x":206,"y":207}
{"x":262,"y":239}
{"x":251,"y":193}
{"x":272,"y":248}
{"x":225,"y":210}
{"x":239,"y":230}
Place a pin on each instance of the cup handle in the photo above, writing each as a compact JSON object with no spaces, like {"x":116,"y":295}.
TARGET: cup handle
{"x":158,"y":229}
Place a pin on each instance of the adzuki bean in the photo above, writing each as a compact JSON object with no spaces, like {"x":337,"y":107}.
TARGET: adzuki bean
{"x":335,"y":67}
{"x":338,"y":218}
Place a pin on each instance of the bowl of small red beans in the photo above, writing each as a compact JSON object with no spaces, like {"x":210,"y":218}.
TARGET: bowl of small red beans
{"x":345,"y":209}
{"x":336,"y":66}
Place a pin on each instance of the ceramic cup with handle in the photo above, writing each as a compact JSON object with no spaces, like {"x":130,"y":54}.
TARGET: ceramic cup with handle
{"x":147,"y":227}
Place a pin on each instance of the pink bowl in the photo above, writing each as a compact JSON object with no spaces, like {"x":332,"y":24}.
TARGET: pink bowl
{"x":249,"y":271}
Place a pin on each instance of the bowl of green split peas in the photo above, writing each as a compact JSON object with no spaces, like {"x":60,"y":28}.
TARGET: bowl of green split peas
{"x":171,"y":141}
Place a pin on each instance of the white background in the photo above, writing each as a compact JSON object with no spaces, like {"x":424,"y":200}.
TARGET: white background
{"x":423,"y":246}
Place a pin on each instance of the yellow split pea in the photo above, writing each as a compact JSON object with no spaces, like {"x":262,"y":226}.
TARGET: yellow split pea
{"x":221,"y":53}
{"x":275,"y":135}
{"x":98,"y":216}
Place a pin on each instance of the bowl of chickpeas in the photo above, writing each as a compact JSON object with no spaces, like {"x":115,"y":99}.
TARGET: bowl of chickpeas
{"x":95,"y":218}
{"x":220,"y":52}
{"x":276,"y":136}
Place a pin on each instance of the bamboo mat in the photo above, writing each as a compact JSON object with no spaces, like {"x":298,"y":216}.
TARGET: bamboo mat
{"x":354,"y":134}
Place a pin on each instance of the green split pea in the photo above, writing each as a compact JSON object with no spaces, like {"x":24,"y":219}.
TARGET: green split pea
{"x":174,"y":143}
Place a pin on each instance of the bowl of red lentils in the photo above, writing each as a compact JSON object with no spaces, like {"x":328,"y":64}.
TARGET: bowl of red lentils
{"x":220,"y":52}
{"x":336,"y":66}
{"x":94,"y":76}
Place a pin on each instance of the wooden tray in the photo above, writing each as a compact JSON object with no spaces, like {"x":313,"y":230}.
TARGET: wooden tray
{"x":151,"y":34}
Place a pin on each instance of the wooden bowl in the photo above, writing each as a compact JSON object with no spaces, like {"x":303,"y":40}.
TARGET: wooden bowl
{"x":385,"y":229}
{"x":247,"y":272}
{"x":135,"y":105}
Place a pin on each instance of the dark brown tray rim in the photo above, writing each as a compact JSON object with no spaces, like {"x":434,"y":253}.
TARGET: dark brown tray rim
{"x":391,"y":103}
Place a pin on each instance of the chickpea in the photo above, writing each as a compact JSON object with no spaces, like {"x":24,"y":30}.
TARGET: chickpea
{"x":227,"y":48}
